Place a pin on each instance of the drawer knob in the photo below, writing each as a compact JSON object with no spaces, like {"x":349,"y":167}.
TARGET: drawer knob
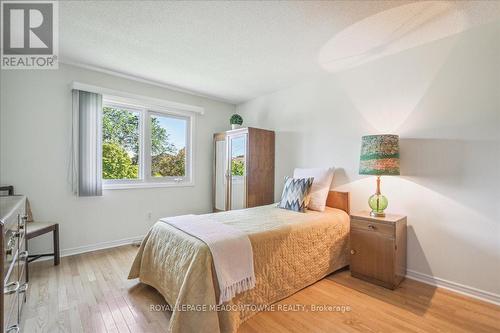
{"x":371,"y":226}
{"x":11,"y":288}
{"x":353,"y":252}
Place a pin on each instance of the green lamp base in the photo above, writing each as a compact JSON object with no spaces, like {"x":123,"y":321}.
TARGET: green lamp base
{"x":377,"y":202}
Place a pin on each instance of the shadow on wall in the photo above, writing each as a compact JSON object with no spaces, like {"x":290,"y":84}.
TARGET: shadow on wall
{"x":418,"y":251}
{"x":340,"y":178}
{"x":461,"y":170}
{"x":445,"y":188}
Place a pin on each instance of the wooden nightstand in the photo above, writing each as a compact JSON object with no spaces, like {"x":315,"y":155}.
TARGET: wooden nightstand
{"x":378,"y":248}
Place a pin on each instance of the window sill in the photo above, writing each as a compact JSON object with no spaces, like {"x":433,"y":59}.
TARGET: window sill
{"x":127,"y":186}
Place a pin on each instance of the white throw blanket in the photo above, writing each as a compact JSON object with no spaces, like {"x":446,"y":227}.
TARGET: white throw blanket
{"x":231,"y":252}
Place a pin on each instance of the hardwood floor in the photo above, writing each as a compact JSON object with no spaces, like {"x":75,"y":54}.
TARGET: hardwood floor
{"x":91,"y":293}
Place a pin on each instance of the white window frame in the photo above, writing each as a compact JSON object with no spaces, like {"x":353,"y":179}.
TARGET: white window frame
{"x":146,"y":180}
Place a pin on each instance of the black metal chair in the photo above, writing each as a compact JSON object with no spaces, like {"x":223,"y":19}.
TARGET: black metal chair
{"x":35,"y":229}
{"x":6,"y":190}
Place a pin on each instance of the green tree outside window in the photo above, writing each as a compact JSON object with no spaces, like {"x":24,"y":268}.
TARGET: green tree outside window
{"x":120,"y":149}
{"x":237,"y":167}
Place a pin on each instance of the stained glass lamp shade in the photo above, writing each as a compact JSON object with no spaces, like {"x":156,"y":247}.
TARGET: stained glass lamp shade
{"x":379,"y":157}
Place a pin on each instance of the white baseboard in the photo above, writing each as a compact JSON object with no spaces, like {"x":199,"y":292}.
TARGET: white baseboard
{"x":100,"y":246}
{"x":455,"y":287}
{"x":95,"y":247}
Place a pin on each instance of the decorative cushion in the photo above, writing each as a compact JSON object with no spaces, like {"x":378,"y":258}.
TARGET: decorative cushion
{"x":295,"y":193}
{"x":320,"y":187}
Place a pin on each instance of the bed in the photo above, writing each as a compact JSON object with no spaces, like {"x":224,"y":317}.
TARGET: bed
{"x":291,"y":251}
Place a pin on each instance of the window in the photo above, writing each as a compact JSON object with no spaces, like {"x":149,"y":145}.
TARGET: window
{"x":168,"y":146}
{"x":120,"y":142}
{"x":145,"y":147}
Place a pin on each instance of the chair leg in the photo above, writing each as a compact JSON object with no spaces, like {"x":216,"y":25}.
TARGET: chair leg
{"x":56,"y":245}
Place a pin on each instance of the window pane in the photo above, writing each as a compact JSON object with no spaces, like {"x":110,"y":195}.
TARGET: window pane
{"x":168,"y":146}
{"x":120,"y":147}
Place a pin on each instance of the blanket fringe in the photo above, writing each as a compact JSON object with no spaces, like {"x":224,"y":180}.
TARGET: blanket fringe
{"x":228,"y":292}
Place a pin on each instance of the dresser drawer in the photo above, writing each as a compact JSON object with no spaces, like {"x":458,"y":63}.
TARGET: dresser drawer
{"x":380,"y":228}
{"x":13,"y":228}
{"x":10,"y":293}
{"x":12,"y":319}
{"x":21,"y":264}
{"x":13,"y":259}
{"x":11,"y":246}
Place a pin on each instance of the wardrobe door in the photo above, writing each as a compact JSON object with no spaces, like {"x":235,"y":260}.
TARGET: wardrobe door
{"x":220,"y":173}
{"x":237,"y":170}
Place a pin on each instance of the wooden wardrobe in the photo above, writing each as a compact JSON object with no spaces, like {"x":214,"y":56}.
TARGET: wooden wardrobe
{"x":243,"y":174}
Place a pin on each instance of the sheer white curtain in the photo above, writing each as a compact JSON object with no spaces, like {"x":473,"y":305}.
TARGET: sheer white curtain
{"x":86,"y":159}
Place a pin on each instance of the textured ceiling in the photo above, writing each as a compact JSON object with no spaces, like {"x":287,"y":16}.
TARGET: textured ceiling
{"x":233,"y":51}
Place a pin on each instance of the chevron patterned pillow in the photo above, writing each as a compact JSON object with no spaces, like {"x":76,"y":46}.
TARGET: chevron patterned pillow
{"x":295,"y":193}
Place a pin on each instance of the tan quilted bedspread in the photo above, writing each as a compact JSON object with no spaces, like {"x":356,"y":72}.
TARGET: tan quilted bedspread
{"x":291,"y":251}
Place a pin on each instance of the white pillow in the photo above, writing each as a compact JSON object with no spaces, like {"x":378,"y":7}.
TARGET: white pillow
{"x":320,"y":187}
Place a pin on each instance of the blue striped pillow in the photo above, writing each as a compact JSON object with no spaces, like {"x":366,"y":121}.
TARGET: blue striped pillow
{"x":296,"y":194}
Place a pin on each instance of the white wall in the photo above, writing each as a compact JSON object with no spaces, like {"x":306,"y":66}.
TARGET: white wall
{"x":443,"y":99}
{"x":35,"y":143}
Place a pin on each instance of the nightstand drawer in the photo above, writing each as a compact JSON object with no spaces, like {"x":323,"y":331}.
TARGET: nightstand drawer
{"x":381,"y":228}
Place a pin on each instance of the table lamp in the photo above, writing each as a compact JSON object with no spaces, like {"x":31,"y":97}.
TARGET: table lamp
{"x":379,"y":157}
